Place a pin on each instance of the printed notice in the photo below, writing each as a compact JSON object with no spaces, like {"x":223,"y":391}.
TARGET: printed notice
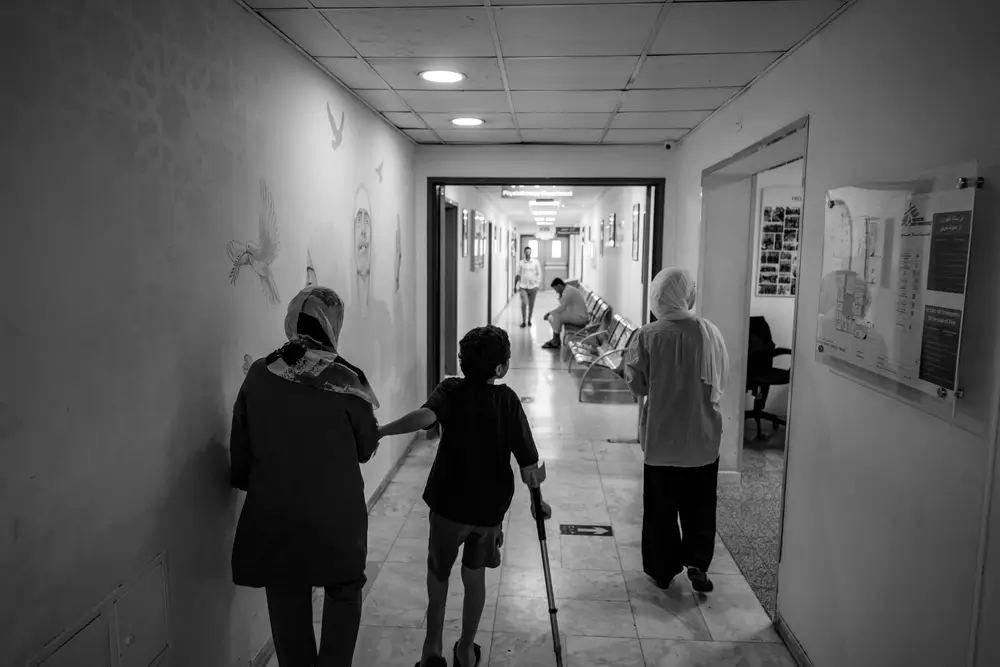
{"x":939,"y":346}
{"x":951,"y":234}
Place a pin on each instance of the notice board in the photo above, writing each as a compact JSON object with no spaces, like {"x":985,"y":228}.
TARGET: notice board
{"x":893,"y":293}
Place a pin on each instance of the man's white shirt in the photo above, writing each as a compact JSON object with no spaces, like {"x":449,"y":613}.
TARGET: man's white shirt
{"x":531,"y":273}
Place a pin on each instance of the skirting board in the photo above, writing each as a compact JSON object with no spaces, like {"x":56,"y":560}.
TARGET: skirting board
{"x":794,"y":647}
{"x":260,"y":660}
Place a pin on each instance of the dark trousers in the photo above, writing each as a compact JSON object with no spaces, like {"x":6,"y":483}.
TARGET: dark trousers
{"x":291,"y":612}
{"x":669,"y":493}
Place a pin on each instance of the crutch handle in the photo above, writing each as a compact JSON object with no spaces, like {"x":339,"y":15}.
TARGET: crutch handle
{"x":536,"y":506}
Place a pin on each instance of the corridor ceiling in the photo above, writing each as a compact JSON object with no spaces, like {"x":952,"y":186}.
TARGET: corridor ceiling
{"x":546,"y":71}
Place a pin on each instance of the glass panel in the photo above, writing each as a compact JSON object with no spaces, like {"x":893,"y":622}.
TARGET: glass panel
{"x":556,"y":249}
{"x":533,"y":244}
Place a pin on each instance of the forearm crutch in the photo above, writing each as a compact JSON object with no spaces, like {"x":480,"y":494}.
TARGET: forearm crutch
{"x":536,"y":505}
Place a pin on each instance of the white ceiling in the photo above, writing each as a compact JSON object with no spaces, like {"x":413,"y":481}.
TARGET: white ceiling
{"x":571,"y":209}
{"x":547,"y":71}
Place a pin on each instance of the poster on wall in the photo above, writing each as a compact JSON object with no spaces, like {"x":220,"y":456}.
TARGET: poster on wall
{"x":612,"y":233}
{"x":496,"y":239}
{"x":779,"y":223}
{"x":635,"y":233}
{"x":892,"y":298}
{"x":479,"y":244}
{"x":604,"y":233}
{"x":465,"y":232}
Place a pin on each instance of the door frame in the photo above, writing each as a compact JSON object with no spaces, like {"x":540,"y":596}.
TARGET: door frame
{"x":800,"y":125}
{"x":435,"y":194}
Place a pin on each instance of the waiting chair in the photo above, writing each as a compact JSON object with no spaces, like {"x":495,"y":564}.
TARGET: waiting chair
{"x":761,"y":373}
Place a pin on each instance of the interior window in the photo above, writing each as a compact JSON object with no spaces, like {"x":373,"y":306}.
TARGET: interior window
{"x":533,"y":244}
{"x":556,"y":249}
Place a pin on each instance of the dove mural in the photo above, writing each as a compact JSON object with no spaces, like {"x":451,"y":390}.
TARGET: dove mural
{"x":310,"y":271}
{"x":338,"y":132}
{"x":259,"y":254}
{"x":378,"y":170}
{"x":247,"y":363}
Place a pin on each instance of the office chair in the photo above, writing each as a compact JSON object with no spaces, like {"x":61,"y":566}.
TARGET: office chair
{"x":761,"y":373}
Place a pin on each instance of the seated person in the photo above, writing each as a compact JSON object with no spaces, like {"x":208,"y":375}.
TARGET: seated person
{"x":572,"y":310}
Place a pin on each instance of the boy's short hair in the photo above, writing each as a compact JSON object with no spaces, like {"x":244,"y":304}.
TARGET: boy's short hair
{"x":557,"y":281}
{"x":481,"y":350}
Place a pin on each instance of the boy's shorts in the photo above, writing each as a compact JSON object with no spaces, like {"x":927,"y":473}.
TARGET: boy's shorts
{"x":481,"y":546}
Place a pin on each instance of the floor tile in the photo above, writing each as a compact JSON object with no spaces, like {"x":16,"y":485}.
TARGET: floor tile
{"x":576,"y":617}
{"x":589,"y":553}
{"x":603,"y":652}
{"x":567,"y":584}
{"x":734,"y":614}
{"x":659,"y":653}
{"x":408,"y":550}
{"x":397,"y":500}
{"x":401,"y":647}
{"x":631,"y":558}
{"x":525,"y":649}
{"x":382,"y":534}
{"x":416,"y":525}
{"x":398,"y":598}
{"x":670,"y":614}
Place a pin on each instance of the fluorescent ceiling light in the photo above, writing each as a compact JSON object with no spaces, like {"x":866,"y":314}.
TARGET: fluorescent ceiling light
{"x":467,"y":122}
{"x":544,"y":203}
{"x":548,"y":219}
{"x":535,"y":193}
{"x":442,"y":76}
{"x":543,"y":224}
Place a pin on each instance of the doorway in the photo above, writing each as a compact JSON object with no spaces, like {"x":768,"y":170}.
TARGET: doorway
{"x":551,"y":255}
{"x":752,"y":205}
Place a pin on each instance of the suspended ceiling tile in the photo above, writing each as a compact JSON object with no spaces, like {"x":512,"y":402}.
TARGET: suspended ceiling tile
{"x":479,"y":136}
{"x":307,"y":28}
{"x":353,"y":73}
{"x":367,"y":4}
{"x":404,"y":73}
{"x":456,"y":101}
{"x":739,"y":27}
{"x":526,"y":101}
{"x":642,"y":136}
{"x":279,"y":4}
{"x":677,"y":99}
{"x":422,"y":136}
{"x":569,"y":73}
{"x":574,"y":30}
{"x":703,"y":71}
{"x":409,"y":33}
{"x":563,"y":136}
{"x":513,"y":3}
{"x":383,"y":100}
{"x":659,"y":119}
{"x":562,"y":121}
{"x":404,"y":120}
{"x":493,"y":121}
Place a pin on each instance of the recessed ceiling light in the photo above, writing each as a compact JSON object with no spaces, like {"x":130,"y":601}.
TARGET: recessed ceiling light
{"x":442,"y":76}
{"x":467,"y":122}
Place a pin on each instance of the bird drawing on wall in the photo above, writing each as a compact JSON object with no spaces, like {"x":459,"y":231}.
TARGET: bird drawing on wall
{"x":247,"y":363}
{"x":378,"y":170}
{"x":310,"y":271}
{"x":399,"y":253}
{"x":338,"y":132}
{"x":260,"y":254}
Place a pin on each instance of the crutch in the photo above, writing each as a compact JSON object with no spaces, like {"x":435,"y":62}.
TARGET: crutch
{"x":536,"y":505}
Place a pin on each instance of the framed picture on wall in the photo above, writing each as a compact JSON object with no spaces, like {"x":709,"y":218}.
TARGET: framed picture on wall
{"x":604,"y":233}
{"x":465,"y":232}
{"x":778,"y":223}
{"x":635,"y":233}
{"x":612,"y":230}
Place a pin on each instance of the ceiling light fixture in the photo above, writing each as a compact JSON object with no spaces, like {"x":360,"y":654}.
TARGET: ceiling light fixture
{"x":544,"y":203}
{"x":467,"y":122}
{"x":545,"y":219}
{"x":442,"y":76}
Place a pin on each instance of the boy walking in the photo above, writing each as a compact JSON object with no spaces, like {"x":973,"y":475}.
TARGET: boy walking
{"x":471,"y":484}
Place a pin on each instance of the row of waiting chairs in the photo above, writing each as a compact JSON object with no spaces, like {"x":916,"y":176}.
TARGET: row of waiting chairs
{"x":598,"y":347}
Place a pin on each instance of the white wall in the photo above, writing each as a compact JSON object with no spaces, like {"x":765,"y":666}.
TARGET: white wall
{"x":134,"y":146}
{"x":778,"y":310}
{"x":884,"y":502}
{"x":524,"y":162}
{"x":473,"y":285}
{"x":617,"y":277}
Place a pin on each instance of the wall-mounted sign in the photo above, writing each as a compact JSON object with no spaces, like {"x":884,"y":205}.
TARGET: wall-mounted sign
{"x":517,"y":191}
{"x":567,"y":230}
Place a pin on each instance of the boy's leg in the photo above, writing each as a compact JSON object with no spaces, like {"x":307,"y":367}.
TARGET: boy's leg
{"x":442,"y":551}
{"x":482,"y":551}
{"x":341,"y":622}
{"x":290,"y":612}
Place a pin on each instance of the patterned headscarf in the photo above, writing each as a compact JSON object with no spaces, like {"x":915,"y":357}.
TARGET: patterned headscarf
{"x":308,"y":360}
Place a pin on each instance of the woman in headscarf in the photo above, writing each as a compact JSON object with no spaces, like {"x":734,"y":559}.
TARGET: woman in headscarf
{"x":303,"y":421}
{"x":680,"y":364}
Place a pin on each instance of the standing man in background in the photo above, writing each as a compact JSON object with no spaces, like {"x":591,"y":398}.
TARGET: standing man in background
{"x":528,"y":278}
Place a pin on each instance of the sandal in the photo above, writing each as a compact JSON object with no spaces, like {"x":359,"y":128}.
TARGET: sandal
{"x":476,"y":648}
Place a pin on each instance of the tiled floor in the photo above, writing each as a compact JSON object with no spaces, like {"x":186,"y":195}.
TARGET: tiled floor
{"x":609,"y":611}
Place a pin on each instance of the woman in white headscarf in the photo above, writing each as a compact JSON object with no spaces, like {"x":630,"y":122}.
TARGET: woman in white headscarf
{"x":680,"y":364}
{"x":302,"y":422}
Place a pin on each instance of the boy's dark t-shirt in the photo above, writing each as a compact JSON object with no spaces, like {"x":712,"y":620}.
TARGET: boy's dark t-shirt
{"x":482,"y":424}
